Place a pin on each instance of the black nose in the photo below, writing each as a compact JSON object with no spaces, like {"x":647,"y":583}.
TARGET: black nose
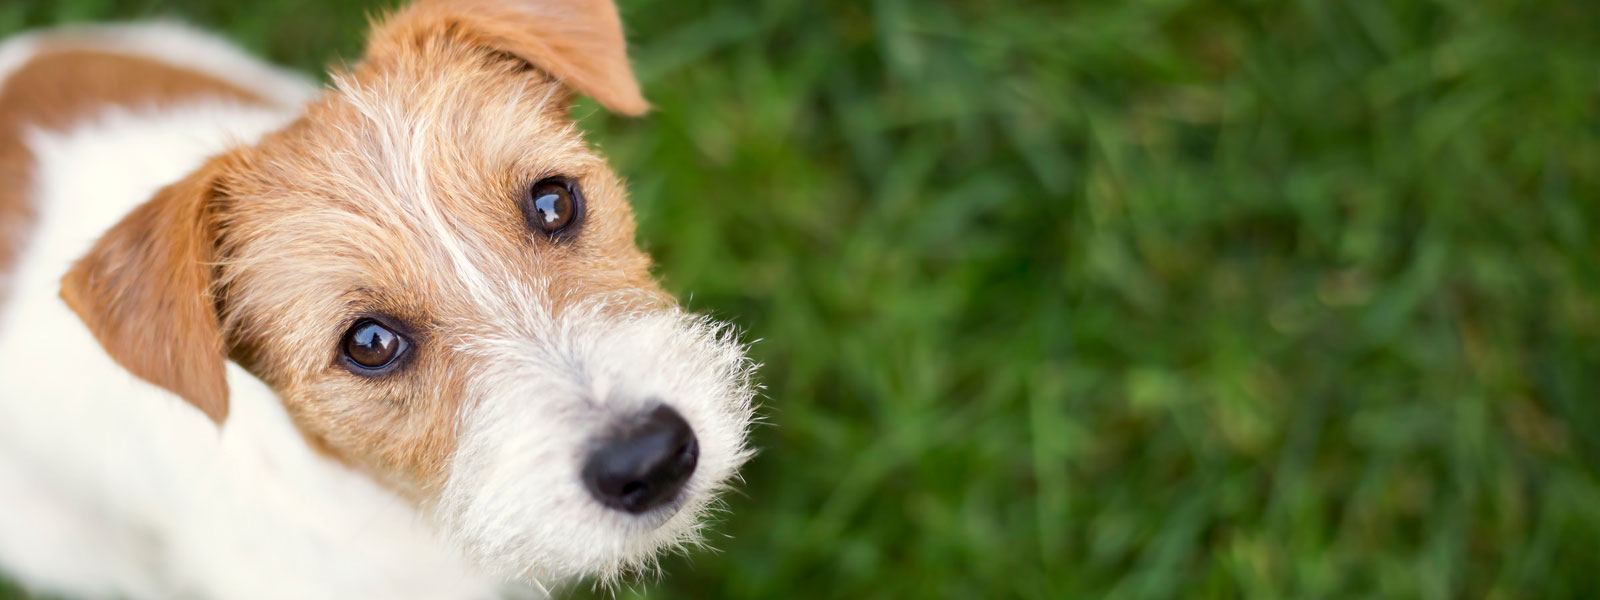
{"x":645,"y":465}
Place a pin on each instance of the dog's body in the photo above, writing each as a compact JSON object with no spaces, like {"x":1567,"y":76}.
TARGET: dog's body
{"x":110,"y":485}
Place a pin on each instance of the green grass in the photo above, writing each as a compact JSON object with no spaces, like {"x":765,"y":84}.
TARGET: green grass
{"x":1149,"y":299}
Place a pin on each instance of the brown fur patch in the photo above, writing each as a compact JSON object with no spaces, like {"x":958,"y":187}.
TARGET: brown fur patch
{"x":579,"y":43}
{"x":62,"y":85}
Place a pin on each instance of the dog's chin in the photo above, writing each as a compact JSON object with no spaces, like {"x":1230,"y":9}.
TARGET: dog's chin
{"x":566,"y":542}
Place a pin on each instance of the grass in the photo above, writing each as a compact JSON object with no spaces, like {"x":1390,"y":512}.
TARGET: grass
{"x":1146,"y":299}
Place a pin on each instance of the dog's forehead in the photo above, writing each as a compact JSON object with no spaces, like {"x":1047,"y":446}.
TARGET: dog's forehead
{"x":458,"y":142}
{"x":392,"y":190}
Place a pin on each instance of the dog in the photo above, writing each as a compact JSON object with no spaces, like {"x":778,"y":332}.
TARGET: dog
{"x":393,"y":338}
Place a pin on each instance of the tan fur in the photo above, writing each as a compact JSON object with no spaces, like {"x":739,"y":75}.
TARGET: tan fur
{"x":579,"y":43}
{"x":61,"y":86}
{"x":397,"y":193}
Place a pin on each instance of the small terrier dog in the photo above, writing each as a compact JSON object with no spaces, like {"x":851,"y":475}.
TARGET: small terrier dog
{"x":390,"y":339}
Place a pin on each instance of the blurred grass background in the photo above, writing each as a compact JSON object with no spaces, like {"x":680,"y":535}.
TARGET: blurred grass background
{"x":1146,"y":299}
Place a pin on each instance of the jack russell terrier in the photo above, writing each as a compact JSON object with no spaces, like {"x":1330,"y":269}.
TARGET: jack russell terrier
{"x":389,"y":339}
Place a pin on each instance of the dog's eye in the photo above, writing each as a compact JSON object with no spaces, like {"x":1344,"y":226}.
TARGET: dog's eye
{"x":553,"y":204}
{"x":372,"y":346}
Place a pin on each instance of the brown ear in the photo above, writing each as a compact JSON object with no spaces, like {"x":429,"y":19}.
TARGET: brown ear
{"x":577,"y":41}
{"x":144,"y":290}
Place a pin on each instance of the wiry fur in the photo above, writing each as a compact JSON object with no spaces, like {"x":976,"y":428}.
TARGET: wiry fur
{"x":394,"y":193}
{"x":590,"y":370}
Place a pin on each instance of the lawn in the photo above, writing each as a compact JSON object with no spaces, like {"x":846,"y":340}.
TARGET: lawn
{"x":1145,"y":299}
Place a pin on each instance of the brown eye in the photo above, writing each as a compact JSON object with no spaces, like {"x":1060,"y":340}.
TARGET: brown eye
{"x":552,"y":205}
{"x":372,"y":346}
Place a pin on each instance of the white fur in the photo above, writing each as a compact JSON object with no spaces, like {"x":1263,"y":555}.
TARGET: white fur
{"x":14,"y":52}
{"x":112,"y":487}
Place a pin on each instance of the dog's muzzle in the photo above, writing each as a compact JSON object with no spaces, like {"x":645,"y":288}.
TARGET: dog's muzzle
{"x":644,"y":465}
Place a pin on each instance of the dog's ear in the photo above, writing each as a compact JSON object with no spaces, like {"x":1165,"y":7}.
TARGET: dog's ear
{"x":144,"y":291}
{"x":579,"y":42}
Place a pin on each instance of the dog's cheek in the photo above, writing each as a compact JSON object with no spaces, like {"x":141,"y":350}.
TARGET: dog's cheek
{"x":401,"y":433}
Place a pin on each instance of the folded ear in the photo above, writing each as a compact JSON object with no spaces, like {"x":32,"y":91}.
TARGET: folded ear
{"x":577,"y":41}
{"x":144,"y":291}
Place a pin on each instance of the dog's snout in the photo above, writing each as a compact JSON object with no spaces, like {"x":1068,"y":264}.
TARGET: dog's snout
{"x":644,"y":466}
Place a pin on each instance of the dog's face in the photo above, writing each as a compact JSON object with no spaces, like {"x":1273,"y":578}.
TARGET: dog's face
{"x":440,"y":280}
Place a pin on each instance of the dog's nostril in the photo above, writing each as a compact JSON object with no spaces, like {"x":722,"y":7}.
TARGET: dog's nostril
{"x":634,"y":492}
{"x":644,"y":466}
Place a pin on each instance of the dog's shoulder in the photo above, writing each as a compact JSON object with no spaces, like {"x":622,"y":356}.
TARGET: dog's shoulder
{"x":52,"y":80}
{"x":53,"y":77}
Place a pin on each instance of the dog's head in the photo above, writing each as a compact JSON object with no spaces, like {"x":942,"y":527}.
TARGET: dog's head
{"x":440,"y":280}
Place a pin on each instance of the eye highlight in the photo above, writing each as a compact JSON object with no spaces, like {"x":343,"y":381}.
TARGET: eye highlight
{"x":372,"y":348}
{"x":552,"y":205}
